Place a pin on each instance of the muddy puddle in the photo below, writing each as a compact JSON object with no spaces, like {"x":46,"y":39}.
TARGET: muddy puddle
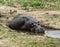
{"x":52,"y":33}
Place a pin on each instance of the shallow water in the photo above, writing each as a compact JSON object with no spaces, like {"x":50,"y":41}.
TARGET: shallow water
{"x":52,"y":33}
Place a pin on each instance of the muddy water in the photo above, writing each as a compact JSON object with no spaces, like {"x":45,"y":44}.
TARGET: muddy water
{"x":52,"y":33}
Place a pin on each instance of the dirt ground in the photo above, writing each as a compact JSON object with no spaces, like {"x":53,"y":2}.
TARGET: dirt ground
{"x":11,"y":38}
{"x":46,"y":18}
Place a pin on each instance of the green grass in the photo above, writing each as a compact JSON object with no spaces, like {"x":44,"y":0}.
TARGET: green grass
{"x":42,"y":4}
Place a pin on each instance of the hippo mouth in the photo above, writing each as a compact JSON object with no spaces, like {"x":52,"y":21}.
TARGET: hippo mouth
{"x":40,"y":31}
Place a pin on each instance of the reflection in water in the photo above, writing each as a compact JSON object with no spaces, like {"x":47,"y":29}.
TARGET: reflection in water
{"x":52,"y":33}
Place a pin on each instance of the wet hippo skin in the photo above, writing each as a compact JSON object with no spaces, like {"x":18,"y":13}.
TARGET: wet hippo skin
{"x":24,"y":22}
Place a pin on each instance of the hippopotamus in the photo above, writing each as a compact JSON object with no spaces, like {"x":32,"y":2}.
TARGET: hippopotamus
{"x":25,"y":22}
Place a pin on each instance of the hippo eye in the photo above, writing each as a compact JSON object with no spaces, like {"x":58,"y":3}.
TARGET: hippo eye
{"x":32,"y":25}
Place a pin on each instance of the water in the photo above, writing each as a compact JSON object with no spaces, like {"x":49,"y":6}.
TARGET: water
{"x":52,"y":33}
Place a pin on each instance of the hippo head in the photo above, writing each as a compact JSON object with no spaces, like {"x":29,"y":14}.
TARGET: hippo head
{"x":36,"y":28}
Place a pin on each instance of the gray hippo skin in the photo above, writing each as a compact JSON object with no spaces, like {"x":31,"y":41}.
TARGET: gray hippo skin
{"x":24,"y":22}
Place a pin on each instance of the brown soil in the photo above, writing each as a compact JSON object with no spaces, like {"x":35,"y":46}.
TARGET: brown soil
{"x":46,"y":18}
